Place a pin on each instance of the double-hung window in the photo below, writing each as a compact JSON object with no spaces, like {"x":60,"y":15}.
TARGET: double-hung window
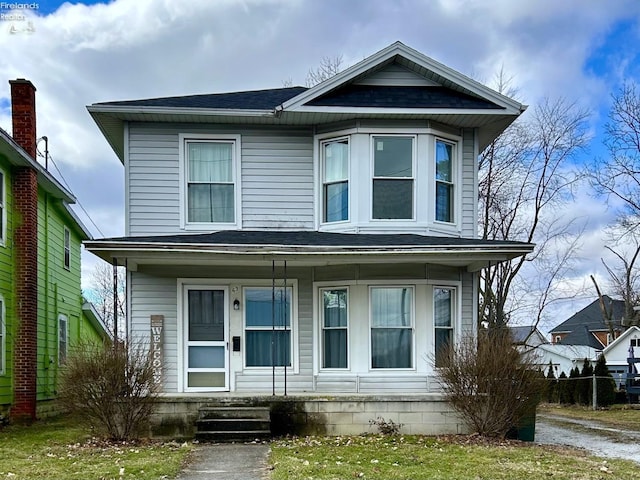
{"x":391,"y":310}
{"x":335,"y":324}
{"x":67,"y":248}
{"x":63,"y":339}
{"x":210,"y":181}
{"x":267,"y":326}
{"x":444,"y":194}
{"x":335,"y":180}
{"x":443,"y":319}
{"x":393,"y":177}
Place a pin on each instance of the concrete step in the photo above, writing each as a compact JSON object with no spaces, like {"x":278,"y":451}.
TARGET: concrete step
{"x":230,"y":424}
{"x":211,"y":412}
{"x":233,"y":423}
{"x":233,"y":436}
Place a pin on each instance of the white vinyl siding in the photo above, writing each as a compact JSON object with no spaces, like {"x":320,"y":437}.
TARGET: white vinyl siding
{"x":276,"y":177}
{"x":469,"y":185}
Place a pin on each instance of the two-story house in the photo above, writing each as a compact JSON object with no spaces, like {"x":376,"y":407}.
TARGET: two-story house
{"x":319,"y":243}
{"x":42,"y":312}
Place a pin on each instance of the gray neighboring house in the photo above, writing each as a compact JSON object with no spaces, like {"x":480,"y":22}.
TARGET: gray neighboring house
{"x":310,"y":245}
{"x":588,"y":327}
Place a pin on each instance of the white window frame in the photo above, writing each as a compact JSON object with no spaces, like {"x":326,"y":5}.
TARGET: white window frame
{"x":323,"y":212}
{"x":63,"y":319}
{"x":455,"y":314}
{"x":3,"y":208}
{"x":66,"y":250}
{"x":293,"y":327}
{"x":235,"y":140}
{"x":454,"y":183}
{"x":413,"y":178}
{"x":323,"y":328}
{"x":412,"y":327}
{"x":3,"y":336}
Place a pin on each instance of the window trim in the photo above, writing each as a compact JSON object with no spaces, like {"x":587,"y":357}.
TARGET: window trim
{"x":66,"y":250}
{"x":413,"y":178}
{"x":455,"y":314}
{"x":322,"y":143}
{"x":293,"y":327}
{"x":235,"y":140}
{"x":322,"y":328}
{"x":412,"y":327}
{"x":3,"y":336}
{"x":62,"y":318}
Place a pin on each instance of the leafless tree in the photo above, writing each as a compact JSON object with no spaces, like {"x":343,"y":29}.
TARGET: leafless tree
{"x":525,"y":177}
{"x":618,"y":179}
{"x":328,"y":67}
{"x":101,"y":294}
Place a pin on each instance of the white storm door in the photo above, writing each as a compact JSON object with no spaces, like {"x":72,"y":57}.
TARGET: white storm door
{"x":206,"y":356}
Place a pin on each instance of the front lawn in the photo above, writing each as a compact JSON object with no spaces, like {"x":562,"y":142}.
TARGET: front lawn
{"x":375,"y":457}
{"x":63,"y":450}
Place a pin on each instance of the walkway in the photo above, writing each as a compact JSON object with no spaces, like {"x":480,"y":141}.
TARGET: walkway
{"x":591,"y":436}
{"x":227,"y":461}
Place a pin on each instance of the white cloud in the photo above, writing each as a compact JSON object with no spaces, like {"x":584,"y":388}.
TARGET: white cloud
{"x":129,"y":49}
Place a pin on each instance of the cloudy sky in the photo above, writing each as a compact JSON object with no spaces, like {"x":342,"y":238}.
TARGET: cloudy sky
{"x":77,"y":54}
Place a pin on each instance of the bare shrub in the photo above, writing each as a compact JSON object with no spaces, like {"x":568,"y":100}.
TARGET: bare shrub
{"x":386,"y":427}
{"x":489,"y":382}
{"x":111,"y":387}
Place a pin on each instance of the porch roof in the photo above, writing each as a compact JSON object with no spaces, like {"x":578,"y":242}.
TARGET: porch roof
{"x":306,"y":248}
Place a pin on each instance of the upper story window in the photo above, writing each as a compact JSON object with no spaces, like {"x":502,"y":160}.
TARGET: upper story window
{"x":3,"y":210}
{"x":444,"y":194}
{"x":210,"y":179}
{"x":393,"y":177}
{"x":67,"y":248}
{"x":335,"y":180}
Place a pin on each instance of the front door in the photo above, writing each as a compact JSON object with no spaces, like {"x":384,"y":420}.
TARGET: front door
{"x":206,"y":329}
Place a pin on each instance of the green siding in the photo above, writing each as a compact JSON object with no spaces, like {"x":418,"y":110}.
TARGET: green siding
{"x":6,"y":290}
{"x":59,"y":290}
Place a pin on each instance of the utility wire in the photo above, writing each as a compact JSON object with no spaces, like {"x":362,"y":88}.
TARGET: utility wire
{"x":66,"y":184}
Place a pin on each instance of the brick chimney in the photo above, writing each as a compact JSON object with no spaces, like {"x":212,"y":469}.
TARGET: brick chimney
{"x":23,"y":114}
{"x":25,"y":244}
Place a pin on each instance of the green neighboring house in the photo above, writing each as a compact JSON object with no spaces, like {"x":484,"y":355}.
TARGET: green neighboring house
{"x":42,"y":311}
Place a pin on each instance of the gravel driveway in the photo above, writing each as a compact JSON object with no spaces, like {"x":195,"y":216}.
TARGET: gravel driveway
{"x":602,"y":441}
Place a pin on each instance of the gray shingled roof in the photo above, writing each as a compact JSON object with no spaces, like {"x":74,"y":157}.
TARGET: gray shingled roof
{"x":249,"y":100}
{"x":400,"y":97}
{"x":313,"y":238}
{"x":591,"y":317}
{"x":349,"y":96}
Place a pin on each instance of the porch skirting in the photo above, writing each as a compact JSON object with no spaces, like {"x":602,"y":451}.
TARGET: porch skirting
{"x":427,"y":414}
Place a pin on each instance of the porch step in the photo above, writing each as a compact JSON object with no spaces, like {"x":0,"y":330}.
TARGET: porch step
{"x":233,"y":424}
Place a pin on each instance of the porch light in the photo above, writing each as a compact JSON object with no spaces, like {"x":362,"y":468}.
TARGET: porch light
{"x":236,"y":304}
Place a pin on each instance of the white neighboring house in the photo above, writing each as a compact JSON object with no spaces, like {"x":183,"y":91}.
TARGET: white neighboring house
{"x":564,"y":357}
{"x":619,"y":351}
{"x":317,"y":243}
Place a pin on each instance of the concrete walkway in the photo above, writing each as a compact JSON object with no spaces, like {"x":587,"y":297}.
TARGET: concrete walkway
{"x":227,"y":461}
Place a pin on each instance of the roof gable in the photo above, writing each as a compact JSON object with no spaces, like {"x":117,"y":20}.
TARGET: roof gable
{"x":372,"y":70}
{"x":591,"y":317}
{"x":618,"y":349}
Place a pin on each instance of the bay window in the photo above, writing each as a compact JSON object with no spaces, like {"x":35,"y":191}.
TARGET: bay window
{"x":335,"y":323}
{"x":210,"y":167}
{"x":443,"y":319}
{"x":335,"y":180}
{"x":267,"y":326}
{"x":444,"y":194}
{"x":393,"y":177}
{"x":391,"y":311}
